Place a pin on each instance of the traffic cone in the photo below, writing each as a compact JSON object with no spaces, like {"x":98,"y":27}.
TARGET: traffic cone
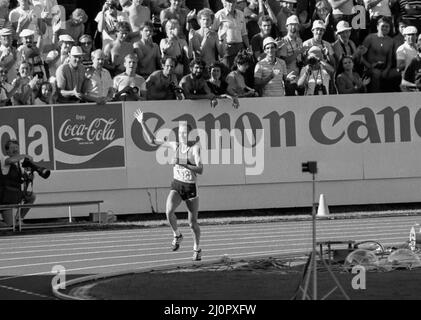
{"x":323,"y":209}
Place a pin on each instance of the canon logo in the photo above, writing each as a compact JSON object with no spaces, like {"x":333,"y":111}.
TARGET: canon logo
{"x":99,"y":129}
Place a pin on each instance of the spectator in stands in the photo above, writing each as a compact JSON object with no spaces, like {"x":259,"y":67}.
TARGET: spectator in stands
{"x":218,"y":86}
{"x":378,"y":59}
{"x":288,"y":9}
{"x":194,"y":85}
{"x":87,"y":45}
{"x":231,"y":26}
{"x":398,"y":38}
{"x":107,"y":21}
{"x":204,"y":43}
{"x":347,"y":80}
{"x":75,"y":26}
{"x":116,"y":51}
{"x":6,"y":89}
{"x":236,"y":81}
{"x":70,"y":77}
{"x":129,"y":86}
{"x":7,"y":51}
{"x":175,"y":11}
{"x":26,"y":84}
{"x":45,"y":94}
{"x":57,"y":57}
{"x":410,"y":12}
{"x":265,"y":25}
{"x":322,"y":12}
{"x":342,"y":10}
{"x":163,"y":84}
{"x":29,"y":51}
{"x":25,"y":17}
{"x":12,"y":171}
{"x":318,"y":30}
{"x":49,"y":8}
{"x":176,"y":47}
{"x":377,"y":9}
{"x":147,"y":51}
{"x":98,"y":86}
{"x":255,"y":10}
{"x":138,"y":14}
{"x":412,"y":75}
{"x":314,"y":77}
{"x":270,"y":73}
{"x":407,"y":51}
{"x":4,"y":13}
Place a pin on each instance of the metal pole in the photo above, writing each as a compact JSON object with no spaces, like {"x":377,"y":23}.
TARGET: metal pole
{"x":314,"y":241}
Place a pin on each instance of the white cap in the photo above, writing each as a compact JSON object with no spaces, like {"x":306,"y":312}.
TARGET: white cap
{"x":316,"y":52}
{"x":66,"y":38}
{"x":6,"y":32}
{"x":318,"y":24}
{"x":76,"y":51}
{"x":410,"y":30}
{"x":292,"y":19}
{"x":268,"y":40}
{"x":26,"y":33}
{"x":342,"y":26}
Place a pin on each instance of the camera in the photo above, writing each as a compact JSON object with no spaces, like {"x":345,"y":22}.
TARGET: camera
{"x":177,"y":91}
{"x":43,"y":172}
{"x":320,"y":89}
{"x":312,"y":61}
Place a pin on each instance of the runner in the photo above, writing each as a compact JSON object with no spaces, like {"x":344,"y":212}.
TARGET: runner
{"x":187,"y":165}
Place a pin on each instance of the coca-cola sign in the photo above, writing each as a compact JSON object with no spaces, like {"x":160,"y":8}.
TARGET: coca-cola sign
{"x":89,"y":136}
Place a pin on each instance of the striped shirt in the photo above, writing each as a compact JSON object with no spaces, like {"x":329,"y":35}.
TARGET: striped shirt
{"x":275,"y":87}
{"x":410,"y":9}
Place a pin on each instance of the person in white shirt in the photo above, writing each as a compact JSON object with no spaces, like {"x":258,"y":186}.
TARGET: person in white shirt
{"x":407,"y":51}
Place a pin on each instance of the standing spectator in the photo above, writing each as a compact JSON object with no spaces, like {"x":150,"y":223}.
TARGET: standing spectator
{"x":342,"y":10}
{"x":175,"y":11}
{"x":147,"y":51}
{"x":288,"y":9}
{"x":107,"y":21}
{"x":29,"y":52}
{"x":4,"y":13}
{"x":408,"y":51}
{"x":347,"y":80}
{"x":99,"y":86}
{"x":265,"y":25}
{"x":255,"y":10}
{"x":75,"y":26}
{"x":26,"y":17}
{"x":322,"y":12}
{"x":163,"y":84}
{"x":116,"y":51}
{"x":194,"y":85}
{"x":412,"y":75}
{"x":377,"y":9}
{"x":56,"y":57}
{"x":204,"y":42}
{"x":318,"y":30}
{"x":129,"y":86}
{"x":176,"y":47}
{"x":26,"y":83}
{"x":7,"y":91}
{"x":270,"y":73}
{"x":410,"y":12}
{"x":70,"y":77}
{"x":138,"y":14}
{"x":87,"y":45}
{"x":237,"y":87}
{"x":231,"y":26}
{"x":314,"y":77}
{"x":7,"y":52}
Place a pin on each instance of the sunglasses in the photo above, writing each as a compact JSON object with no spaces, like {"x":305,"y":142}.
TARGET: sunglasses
{"x":270,"y":47}
{"x":86,"y":43}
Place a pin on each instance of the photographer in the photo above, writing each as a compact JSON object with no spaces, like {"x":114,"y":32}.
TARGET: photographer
{"x":313,"y":77}
{"x":162,"y":84}
{"x":11,"y":179}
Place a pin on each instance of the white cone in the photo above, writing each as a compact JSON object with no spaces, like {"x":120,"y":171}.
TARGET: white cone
{"x":323,"y":209}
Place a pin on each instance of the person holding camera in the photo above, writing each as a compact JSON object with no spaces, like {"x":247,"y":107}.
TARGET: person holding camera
{"x":163,"y":84}
{"x":12,"y":176}
{"x":314,"y":77}
{"x":129,"y":86}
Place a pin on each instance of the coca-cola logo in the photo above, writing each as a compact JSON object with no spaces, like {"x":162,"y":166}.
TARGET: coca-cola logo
{"x":100,"y":129}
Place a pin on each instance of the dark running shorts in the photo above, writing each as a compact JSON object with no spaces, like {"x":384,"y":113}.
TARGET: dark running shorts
{"x":185,"y":190}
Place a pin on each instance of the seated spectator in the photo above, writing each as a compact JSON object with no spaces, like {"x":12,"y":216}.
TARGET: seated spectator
{"x":411,"y":80}
{"x":204,"y":43}
{"x":314,"y":77}
{"x":265,"y":25}
{"x":116,"y":51}
{"x":347,"y":80}
{"x":253,"y":13}
{"x":7,"y":91}
{"x":407,"y":51}
{"x":25,"y":17}
{"x":163,"y":84}
{"x":270,"y":73}
{"x":287,"y":10}
{"x":236,"y":79}
{"x":194,"y":85}
{"x":45,"y":95}
{"x":230,"y":24}
{"x":129,"y":86}
{"x":75,"y":26}
{"x":7,"y":52}
{"x":218,"y":86}
{"x":318,"y":30}
{"x":70,"y":77}
{"x":57,"y":57}
{"x":29,"y":51}
{"x":138,"y":15}
{"x":147,"y":51}
{"x":107,"y":21}
{"x":26,"y":83}
{"x":378,"y":59}
{"x":87,"y":45}
{"x":176,"y":47}
{"x":98,"y":85}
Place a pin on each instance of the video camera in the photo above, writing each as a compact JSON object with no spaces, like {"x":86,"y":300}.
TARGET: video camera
{"x":313,"y":61}
{"x":43,"y":172}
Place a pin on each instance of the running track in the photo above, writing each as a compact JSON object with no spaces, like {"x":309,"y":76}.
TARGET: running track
{"x":26,"y":261}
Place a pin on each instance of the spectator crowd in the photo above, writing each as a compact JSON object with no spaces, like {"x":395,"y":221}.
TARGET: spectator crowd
{"x":207,"y":49}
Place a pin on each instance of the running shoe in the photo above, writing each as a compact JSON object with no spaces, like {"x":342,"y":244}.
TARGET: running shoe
{"x":175,"y":245}
{"x":197,"y":255}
